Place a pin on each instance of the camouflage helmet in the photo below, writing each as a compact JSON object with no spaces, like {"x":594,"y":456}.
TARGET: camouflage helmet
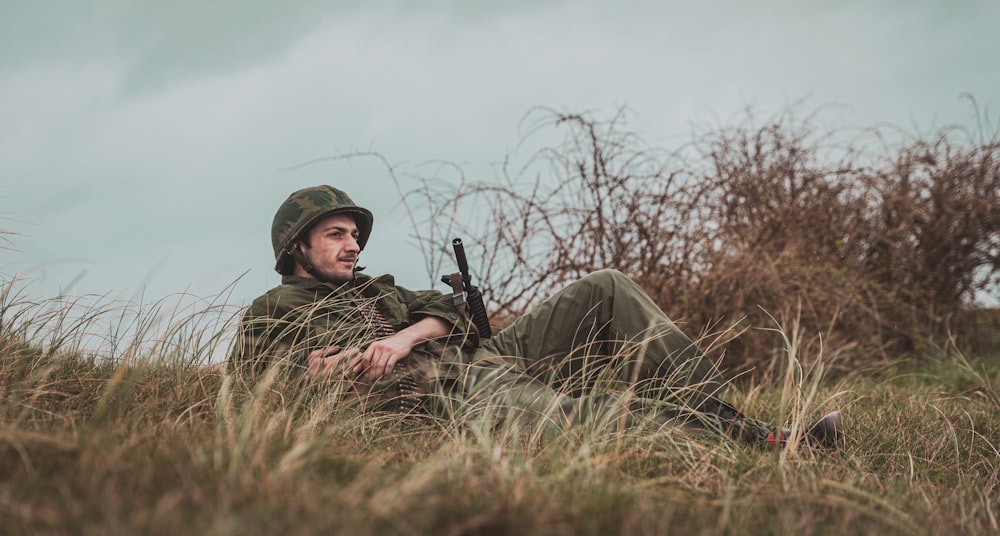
{"x":304,"y":208}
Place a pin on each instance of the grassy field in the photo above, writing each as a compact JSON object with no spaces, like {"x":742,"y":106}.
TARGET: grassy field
{"x":147,"y":438}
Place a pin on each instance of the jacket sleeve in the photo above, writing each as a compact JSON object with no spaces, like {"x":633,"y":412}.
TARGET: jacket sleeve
{"x":434,"y":303}
{"x":268,"y":333}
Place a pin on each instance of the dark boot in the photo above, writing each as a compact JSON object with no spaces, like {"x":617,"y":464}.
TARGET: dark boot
{"x":827,"y":432}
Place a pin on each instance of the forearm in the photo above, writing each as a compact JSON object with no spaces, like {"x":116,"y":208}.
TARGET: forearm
{"x":381,"y":356}
{"x":427,"y":328}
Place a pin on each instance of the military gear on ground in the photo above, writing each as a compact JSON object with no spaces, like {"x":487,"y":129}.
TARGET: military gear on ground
{"x":304,"y":208}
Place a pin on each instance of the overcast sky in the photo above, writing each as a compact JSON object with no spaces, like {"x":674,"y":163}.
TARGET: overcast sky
{"x":143,"y":145}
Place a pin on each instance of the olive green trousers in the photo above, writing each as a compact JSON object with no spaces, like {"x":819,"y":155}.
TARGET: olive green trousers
{"x":599,"y":351}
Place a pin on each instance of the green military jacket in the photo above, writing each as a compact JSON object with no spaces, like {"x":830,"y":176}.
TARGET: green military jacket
{"x":304,"y":314}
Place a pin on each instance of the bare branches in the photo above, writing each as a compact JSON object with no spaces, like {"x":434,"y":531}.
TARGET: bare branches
{"x":772,"y":218}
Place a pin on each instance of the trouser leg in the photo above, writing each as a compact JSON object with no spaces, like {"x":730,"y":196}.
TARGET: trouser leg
{"x":542,"y":362}
{"x":601,"y":318}
{"x":494,"y":389}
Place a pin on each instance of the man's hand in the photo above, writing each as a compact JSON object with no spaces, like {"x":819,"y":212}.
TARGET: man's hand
{"x":326,"y":361}
{"x":378,"y":360}
{"x":381,"y":356}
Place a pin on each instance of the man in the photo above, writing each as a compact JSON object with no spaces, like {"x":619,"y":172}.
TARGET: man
{"x":415,"y":351}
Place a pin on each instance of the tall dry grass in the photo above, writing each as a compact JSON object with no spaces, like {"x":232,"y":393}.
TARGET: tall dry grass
{"x":143,"y":441}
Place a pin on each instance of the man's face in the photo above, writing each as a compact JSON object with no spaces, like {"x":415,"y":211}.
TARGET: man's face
{"x":332,"y":249}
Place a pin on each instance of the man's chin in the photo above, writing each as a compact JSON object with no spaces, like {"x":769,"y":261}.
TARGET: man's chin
{"x":338,"y":277}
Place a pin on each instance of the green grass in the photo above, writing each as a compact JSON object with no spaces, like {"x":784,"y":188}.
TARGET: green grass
{"x":148,"y":438}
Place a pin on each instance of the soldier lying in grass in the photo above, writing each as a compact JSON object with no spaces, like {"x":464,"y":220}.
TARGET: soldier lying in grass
{"x":414,"y":351}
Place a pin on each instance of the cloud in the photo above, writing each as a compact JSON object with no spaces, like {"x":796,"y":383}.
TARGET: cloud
{"x":155,"y":134}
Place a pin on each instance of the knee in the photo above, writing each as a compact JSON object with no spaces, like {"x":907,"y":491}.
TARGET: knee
{"x":605,"y":283}
{"x":607,"y":277}
{"x":599,"y":286}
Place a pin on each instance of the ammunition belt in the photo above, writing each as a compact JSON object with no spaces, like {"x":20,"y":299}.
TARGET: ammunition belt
{"x":409,"y":400}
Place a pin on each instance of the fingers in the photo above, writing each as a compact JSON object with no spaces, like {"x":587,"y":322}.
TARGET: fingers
{"x":378,"y":360}
{"x":319,"y":354}
{"x":370,"y":363}
{"x":382,"y":365}
{"x":315,"y":361}
{"x":326,"y":361}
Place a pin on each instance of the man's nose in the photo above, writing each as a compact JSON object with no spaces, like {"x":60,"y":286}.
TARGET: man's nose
{"x":353,"y":244}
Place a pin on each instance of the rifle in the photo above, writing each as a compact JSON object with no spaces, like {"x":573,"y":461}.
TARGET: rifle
{"x":468,"y":299}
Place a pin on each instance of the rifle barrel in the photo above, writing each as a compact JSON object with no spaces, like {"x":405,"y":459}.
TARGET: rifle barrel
{"x":463,"y":263}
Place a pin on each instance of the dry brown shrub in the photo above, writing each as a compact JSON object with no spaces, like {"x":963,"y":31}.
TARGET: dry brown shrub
{"x":758,"y":225}
{"x":934,"y":236}
{"x":782,"y":238}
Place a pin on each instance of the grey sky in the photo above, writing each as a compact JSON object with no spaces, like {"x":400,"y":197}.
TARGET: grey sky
{"x":142,"y":143}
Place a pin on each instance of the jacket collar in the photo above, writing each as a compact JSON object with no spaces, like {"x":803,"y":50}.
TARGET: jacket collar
{"x":309,"y":283}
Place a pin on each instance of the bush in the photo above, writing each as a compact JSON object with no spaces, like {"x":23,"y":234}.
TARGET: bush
{"x":869,"y":254}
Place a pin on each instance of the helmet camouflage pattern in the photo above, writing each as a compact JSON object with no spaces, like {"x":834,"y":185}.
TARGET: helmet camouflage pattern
{"x":304,"y":208}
